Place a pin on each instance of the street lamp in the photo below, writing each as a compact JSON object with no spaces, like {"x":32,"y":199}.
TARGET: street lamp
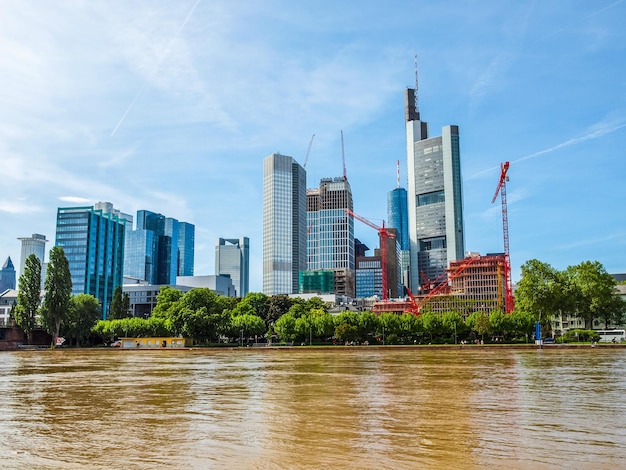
{"x":242,"y":337}
{"x":383,"y":335}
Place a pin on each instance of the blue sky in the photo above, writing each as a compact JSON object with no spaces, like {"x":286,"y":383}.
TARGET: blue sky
{"x":171,"y":106}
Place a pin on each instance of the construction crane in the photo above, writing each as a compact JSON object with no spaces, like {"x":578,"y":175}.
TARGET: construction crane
{"x":343,"y":160}
{"x":509,"y":303}
{"x":308,"y":150}
{"x":384,"y":235}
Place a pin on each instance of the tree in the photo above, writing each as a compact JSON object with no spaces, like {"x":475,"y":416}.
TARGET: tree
{"x":57,"y":301}
{"x":28,"y":296}
{"x":277,"y":306}
{"x":594,"y":293}
{"x":285,"y":327}
{"x":542,"y":291}
{"x":479,"y":323}
{"x":84,"y":314}
{"x":120,"y":305}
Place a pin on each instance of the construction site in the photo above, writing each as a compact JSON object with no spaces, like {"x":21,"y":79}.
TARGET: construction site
{"x":474,"y":284}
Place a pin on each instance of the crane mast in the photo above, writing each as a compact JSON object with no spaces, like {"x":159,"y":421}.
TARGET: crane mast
{"x":384,"y":235}
{"x":504,"y":168}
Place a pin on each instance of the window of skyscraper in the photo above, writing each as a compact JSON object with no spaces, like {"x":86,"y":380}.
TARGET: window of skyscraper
{"x":430,"y":198}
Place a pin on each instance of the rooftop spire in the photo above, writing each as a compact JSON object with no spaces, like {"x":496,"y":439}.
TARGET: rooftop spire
{"x":417,"y":100}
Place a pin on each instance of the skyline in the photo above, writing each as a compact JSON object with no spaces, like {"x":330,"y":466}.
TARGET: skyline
{"x":172,"y":108}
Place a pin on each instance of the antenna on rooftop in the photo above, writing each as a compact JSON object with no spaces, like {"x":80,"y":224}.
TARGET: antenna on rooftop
{"x":417,"y":100}
{"x":398,"y":164}
{"x":343,"y":159}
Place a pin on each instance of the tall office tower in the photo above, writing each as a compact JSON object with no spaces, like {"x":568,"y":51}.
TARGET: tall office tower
{"x":434,"y":193}
{"x":35,"y":245}
{"x":7,"y":276}
{"x":93,"y":242}
{"x":159,"y":249}
{"x":186,"y":247}
{"x":369,"y":270}
{"x":398,"y":216}
{"x":330,"y":237}
{"x":284,"y":224}
{"x":232,"y":257}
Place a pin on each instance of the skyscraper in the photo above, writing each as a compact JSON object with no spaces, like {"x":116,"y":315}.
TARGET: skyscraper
{"x":232,"y":257}
{"x":93,"y":242}
{"x":434,"y":193}
{"x":34,"y":245}
{"x":284,"y":224}
{"x":330,"y":232}
{"x":159,"y":249}
{"x":7,"y":276}
{"x":398,"y":216}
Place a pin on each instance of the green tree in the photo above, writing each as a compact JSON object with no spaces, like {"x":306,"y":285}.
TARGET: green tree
{"x":285,"y":327}
{"x":595,"y":294}
{"x":453,"y":324}
{"x":432,"y":324}
{"x":248,"y":325}
{"x":522,"y":323}
{"x":119,"y":305}
{"x":277,"y":306}
{"x":57,"y":302}
{"x":28,"y":296}
{"x":478,"y":322}
{"x":84,"y":314}
{"x":498,"y":323}
{"x":541,"y":291}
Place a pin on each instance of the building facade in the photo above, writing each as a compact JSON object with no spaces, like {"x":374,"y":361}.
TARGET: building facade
{"x":232,"y":258}
{"x":159,"y":249}
{"x":398,"y":216}
{"x":330,"y":232}
{"x":284,"y":224}
{"x":8,"y":279}
{"x":435,"y":204}
{"x":33,"y":245}
{"x":93,"y":242}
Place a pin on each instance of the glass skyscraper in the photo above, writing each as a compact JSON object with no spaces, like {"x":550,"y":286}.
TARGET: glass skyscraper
{"x":398,"y":216}
{"x":93,"y":242}
{"x":7,"y":276}
{"x":159,"y":249}
{"x":232,"y":257}
{"x":435,"y":203}
{"x":284,"y":224}
{"x":330,"y":232}
{"x":36,"y":244}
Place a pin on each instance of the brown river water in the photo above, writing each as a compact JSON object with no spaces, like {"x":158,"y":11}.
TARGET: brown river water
{"x":349,"y":408}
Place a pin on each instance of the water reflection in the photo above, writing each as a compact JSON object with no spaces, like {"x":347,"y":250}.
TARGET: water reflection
{"x":355,"y":408}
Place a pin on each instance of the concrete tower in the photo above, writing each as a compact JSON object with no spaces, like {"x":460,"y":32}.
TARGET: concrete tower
{"x":435,"y":203}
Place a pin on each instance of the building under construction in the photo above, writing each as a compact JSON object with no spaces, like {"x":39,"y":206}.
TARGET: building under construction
{"x":475,"y":284}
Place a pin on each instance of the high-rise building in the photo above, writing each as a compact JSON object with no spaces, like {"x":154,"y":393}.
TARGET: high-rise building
{"x":159,"y":249}
{"x":34,"y":245}
{"x":7,"y":275}
{"x":284,"y":224}
{"x":232,"y":257}
{"x":330,"y":232}
{"x":435,"y":203}
{"x":93,"y":242}
{"x":398,"y":216}
{"x":186,"y":248}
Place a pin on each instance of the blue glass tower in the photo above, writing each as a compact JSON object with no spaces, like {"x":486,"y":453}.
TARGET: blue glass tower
{"x":398,"y":215}
{"x":93,"y":242}
{"x":159,"y":249}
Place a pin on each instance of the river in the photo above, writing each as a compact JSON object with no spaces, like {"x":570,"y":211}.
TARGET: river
{"x":304,"y":408}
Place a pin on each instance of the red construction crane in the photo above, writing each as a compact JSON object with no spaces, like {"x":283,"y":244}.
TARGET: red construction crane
{"x":504,"y":168}
{"x":384,"y":235}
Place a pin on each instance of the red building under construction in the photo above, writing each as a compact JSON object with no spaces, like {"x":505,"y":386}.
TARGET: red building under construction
{"x":474,"y":284}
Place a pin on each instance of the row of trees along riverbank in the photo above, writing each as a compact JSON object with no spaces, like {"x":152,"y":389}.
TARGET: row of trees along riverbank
{"x":585,"y":290}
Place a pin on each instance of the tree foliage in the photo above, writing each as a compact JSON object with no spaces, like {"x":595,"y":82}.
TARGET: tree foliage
{"x":120,"y":305}
{"x":57,"y":302}
{"x":28,"y":296}
{"x":84,"y":314}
